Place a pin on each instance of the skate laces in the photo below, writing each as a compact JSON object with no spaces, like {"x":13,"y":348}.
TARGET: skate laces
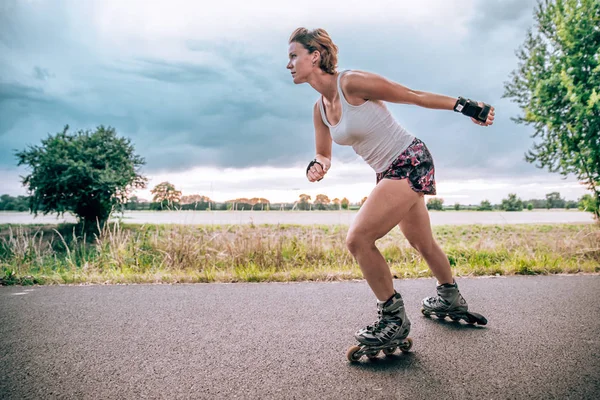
{"x":378,"y":325}
{"x":439,"y":301}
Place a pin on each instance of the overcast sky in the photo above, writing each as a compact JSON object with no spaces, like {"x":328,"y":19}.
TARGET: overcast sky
{"x":203,"y":92}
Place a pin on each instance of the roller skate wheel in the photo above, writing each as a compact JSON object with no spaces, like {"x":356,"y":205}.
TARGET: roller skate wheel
{"x":351,"y":354}
{"x":389,"y":351}
{"x":425,"y":313}
{"x":456,"y":319}
{"x":373,"y":355}
{"x":440,"y":316}
{"x":405,"y":348}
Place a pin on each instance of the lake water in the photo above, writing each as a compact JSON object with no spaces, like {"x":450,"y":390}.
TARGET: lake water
{"x":312,"y":217}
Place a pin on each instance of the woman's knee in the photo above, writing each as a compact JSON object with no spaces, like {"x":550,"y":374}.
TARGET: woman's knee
{"x":356,"y":240}
{"x":425,"y":248}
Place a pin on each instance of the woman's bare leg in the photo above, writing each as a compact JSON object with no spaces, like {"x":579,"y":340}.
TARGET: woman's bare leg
{"x":416,"y":227}
{"x":386,"y":206}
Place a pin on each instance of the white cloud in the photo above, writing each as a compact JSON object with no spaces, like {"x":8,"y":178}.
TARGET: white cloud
{"x":241,"y":20}
{"x":204,"y":83}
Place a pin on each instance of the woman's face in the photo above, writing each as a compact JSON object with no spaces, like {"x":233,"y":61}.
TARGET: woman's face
{"x":301,"y":62}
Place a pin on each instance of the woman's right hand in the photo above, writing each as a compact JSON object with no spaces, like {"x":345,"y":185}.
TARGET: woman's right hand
{"x":318,"y":169}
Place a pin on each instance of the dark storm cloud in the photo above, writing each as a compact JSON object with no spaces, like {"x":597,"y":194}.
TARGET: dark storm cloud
{"x":229,"y":106}
{"x":502,"y":14}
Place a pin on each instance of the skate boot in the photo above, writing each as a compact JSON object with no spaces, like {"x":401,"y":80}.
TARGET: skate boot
{"x":450,"y":303}
{"x":389,"y":332}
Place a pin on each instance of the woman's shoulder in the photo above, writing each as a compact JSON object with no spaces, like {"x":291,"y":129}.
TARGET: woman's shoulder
{"x":353,"y":77}
{"x":353,"y":81}
{"x":317,"y":106}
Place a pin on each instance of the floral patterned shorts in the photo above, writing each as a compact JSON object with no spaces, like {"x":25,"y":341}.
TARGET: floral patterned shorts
{"x":415,"y":164}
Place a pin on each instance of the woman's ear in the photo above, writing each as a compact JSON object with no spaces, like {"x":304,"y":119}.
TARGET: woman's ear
{"x":316,"y":55}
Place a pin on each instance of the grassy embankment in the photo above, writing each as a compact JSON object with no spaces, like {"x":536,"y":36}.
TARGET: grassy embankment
{"x":247,"y":253}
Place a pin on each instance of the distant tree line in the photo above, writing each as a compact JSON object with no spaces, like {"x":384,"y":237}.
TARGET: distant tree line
{"x":9,"y":203}
{"x":166,"y":197}
{"x":514,"y":203}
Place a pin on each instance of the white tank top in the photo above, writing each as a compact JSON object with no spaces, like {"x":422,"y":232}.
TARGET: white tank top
{"x":370,"y":129}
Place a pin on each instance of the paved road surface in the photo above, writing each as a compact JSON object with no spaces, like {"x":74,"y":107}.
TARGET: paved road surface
{"x":276,"y":341}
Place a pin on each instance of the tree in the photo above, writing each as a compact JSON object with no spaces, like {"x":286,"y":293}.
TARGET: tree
{"x":132,"y":203}
{"x":557,"y":85}
{"x":336,"y":203}
{"x":571,"y":204}
{"x":259,"y":200}
{"x":538,"y":203}
{"x":196,"y":202}
{"x":322,"y":201}
{"x":457,"y":207}
{"x":86,"y":173}
{"x":166,"y":195}
{"x":242,"y":203}
{"x":588,"y":203}
{"x":435,"y":203}
{"x":553,"y":200}
{"x":485,"y":206}
{"x":513,"y":203}
{"x":529,"y":206}
{"x":194,"y":199}
{"x":345,"y":203}
{"x":304,"y":202}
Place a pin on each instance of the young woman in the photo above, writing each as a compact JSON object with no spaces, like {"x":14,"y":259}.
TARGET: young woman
{"x":351,"y":111}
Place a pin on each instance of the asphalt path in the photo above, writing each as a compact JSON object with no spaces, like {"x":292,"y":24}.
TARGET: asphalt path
{"x":288,"y":340}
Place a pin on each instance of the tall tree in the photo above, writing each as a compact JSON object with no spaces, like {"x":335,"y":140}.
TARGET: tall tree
{"x":196,"y":202}
{"x":86,"y":173}
{"x":513,"y":203}
{"x":345,"y":203}
{"x":435,"y":203}
{"x":195,"y":198}
{"x":321,"y":201}
{"x":485,"y":206}
{"x":166,"y":194}
{"x":553,"y":200}
{"x":303,"y":202}
{"x":557,"y":85}
{"x":259,"y":200}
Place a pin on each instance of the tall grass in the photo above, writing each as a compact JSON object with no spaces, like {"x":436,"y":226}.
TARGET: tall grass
{"x":249,"y":253}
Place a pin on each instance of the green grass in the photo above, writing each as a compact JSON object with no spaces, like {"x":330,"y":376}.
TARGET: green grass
{"x":43,"y":254}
